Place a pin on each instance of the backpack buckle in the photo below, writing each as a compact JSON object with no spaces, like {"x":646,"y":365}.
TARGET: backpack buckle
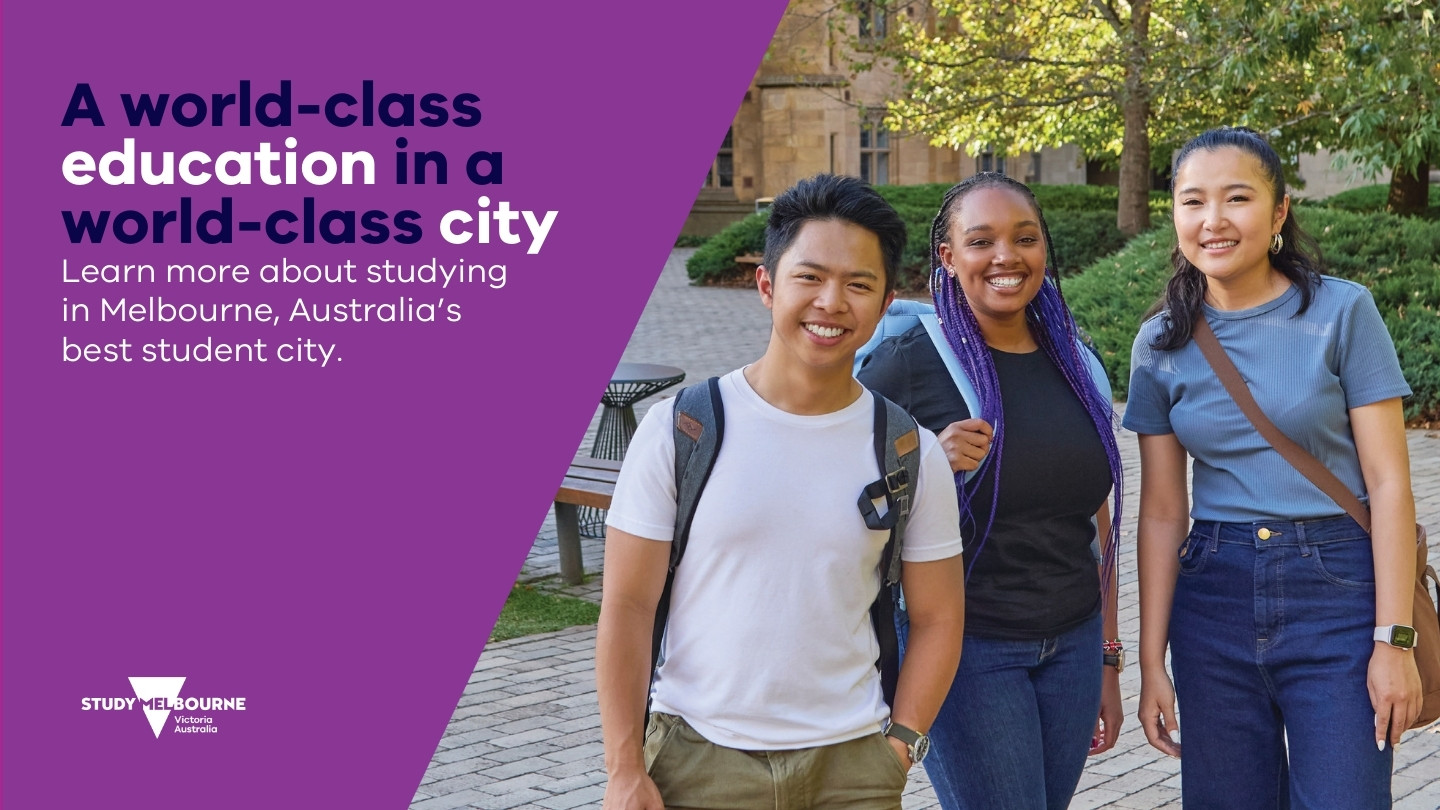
{"x":902,"y":505}
{"x":897,"y":481}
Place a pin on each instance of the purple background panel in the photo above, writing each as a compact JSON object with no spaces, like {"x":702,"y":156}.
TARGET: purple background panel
{"x":330,"y":543}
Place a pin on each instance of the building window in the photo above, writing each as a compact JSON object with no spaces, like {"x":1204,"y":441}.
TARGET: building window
{"x":872,"y":19}
{"x":1033,"y":176}
{"x":722,"y":171}
{"x":991,"y":162}
{"x":874,"y":153}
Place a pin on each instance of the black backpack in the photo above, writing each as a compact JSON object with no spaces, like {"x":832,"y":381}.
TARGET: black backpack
{"x":699,"y":428}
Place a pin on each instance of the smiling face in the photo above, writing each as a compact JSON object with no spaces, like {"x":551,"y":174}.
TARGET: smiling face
{"x":1226,"y":214}
{"x":996,"y":252}
{"x":826,"y":295}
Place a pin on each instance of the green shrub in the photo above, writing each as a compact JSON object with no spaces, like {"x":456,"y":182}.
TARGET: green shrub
{"x":688,"y":240}
{"x":1094,"y":198}
{"x":1058,"y":197}
{"x":1081,"y":219}
{"x":1112,"y":295}
{"x":1363,"y":198}
{"x":925,"y":195}
{"x":1397,"y":258}
{"x":715,"y":259}
{"x":1082,"y":238}
{"x":1371,"y":198}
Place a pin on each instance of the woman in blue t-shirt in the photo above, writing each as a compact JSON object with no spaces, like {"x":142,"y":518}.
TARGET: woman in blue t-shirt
{"x":1279,"y":610}
{"x":1032,"y":695}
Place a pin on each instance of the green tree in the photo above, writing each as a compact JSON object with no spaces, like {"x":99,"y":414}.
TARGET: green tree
{"x":1110,"y":77}
{"x":1361,"y":77}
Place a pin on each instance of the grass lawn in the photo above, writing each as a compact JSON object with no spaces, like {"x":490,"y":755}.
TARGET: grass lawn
{"x":529,"y":611}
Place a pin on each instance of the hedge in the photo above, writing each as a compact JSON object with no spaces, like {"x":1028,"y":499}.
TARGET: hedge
{"x":1398,"y":258}
{"x":715,"y":259}
{"x":1059,"y":197}
{"x":1084,"y":233}
{"x":1373,"y":198}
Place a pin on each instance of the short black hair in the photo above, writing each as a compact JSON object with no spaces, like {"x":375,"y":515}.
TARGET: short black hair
{"x":827,"y":197}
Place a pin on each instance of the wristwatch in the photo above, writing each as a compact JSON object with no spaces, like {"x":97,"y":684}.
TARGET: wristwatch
{"x":1113,"y":655}
{"x":1396,"y":635}
{"x":917,"y":744}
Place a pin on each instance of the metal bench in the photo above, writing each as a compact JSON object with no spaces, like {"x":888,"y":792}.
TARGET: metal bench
{"x":588,"y":482}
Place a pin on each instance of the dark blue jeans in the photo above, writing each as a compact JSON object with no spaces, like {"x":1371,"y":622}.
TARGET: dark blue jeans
{"x":1270,"y":642}
{"x":1015,"y":729}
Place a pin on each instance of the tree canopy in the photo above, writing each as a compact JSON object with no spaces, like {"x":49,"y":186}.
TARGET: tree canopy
{"x":1360,"y":77}
{"x":1128,"y":83}
{"x":1105,"y":76}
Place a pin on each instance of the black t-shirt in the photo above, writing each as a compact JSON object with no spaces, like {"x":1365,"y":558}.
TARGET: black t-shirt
{"x":1036,"y":576}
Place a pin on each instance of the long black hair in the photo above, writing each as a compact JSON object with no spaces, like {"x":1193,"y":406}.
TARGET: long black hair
{"x":1299,"y":259}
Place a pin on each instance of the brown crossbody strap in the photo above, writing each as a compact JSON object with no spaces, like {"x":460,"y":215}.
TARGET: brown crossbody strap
{"x":1302,"y":461}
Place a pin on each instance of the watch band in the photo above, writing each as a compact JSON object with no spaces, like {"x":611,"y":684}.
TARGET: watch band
{"x":902,"y":733}
{"x":1396,"y":635}
{"x":916,"y":743}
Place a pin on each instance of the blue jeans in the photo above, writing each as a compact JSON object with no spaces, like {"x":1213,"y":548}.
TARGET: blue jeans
{"x":1270,"y":643}
{"x":1015,"y":729}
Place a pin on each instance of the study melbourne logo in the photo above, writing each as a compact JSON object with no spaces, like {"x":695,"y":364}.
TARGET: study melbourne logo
{"x":158,"y":697}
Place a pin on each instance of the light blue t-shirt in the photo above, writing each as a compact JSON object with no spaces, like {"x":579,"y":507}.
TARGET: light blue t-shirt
{"x":1305,"y":372}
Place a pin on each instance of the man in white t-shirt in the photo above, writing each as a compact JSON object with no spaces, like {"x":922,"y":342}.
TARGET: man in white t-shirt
{"x":768,"y":694}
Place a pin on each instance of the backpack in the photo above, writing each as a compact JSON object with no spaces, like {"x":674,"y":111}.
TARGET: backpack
{"x":903,"y":315}
{"x":699,"y":428}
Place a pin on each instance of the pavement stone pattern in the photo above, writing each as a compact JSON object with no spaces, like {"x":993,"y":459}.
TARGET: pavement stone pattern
{"x":526,"y":732}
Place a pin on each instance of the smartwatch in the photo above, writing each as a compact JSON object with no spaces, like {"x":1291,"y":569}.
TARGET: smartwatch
{"x":916,"y":744}
{"x":1396,"y":635}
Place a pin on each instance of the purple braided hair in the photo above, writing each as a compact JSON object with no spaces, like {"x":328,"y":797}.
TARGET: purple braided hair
{"x":1055,"y":331}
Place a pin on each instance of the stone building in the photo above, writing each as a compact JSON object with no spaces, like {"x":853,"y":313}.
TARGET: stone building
{"x":805,"y":112}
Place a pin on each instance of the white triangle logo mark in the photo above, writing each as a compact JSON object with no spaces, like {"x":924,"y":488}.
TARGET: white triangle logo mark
{"x":148,"y":689}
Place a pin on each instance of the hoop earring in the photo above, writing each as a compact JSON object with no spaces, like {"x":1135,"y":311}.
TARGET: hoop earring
{"x":1277,"y":243}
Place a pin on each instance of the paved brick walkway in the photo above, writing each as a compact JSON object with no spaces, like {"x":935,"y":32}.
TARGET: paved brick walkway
{"x":526,"y":733}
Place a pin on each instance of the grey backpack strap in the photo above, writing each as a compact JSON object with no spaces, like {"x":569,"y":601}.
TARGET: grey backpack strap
{"x":902,"y":452}
{"x":897,"y":453}
{"x":699,"y":425}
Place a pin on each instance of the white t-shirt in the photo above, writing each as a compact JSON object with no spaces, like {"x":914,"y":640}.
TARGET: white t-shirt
{"x":769,"y":644}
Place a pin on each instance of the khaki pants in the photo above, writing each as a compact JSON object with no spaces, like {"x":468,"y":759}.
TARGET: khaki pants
{"x":693,"y":773}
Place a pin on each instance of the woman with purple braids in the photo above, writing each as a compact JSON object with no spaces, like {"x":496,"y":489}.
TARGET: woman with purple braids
{"x":1033,"y":469}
